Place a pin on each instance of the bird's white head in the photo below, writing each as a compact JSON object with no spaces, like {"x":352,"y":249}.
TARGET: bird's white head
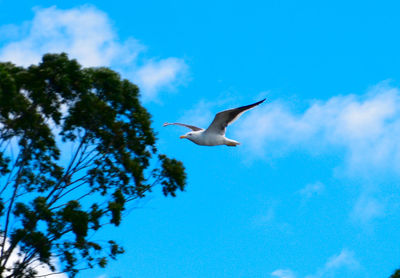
{"x":187,"y":135}
{"x":192,"y":136}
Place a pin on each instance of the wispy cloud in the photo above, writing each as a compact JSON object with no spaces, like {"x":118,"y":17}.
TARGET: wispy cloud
{"x":164,"y":74}
{"x":367,"y":208}
{"x":84,"y":33}
{"x":345,"y":261}
{"x":312,"y":189}
{"x":265,"y":218}
{"x":366,"y":128}
{"x":200,"y":115}
{"x":87,"y":34}
{"x":283,"y":273}
{"x":362,"y":129}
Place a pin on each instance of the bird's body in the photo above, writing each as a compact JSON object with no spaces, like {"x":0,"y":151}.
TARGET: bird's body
{"x":214,"y":135}
{"x":209,"y":139}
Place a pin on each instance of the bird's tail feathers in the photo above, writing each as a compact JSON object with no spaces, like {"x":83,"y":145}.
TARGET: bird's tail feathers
{"x":232,"y":143}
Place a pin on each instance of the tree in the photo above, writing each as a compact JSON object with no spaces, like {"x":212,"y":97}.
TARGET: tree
{"x":396,"y":274}
{"x":76,"y":147}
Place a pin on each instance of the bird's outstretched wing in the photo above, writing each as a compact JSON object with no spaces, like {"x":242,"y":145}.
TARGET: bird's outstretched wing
{"x":225,"y":118}
{"x":194,"y":128}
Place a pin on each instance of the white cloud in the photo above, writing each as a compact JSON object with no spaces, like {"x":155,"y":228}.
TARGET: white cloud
{"x":87,"y":34}
{"x":366,"y":209}
{"x":343,"y":261}
{"x":84,"y":33}
{"x":200,"y":115}
{"x":266,"y":217}
{"x":365,"y":127}
{"x":42,"y":270}
{"x":361,"y":130}
{"x":283,"y":273}
{"x":163,"y":74}
{"x":312,"y":189}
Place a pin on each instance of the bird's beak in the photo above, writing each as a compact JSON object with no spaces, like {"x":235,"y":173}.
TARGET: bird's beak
{"x":182,"y":137}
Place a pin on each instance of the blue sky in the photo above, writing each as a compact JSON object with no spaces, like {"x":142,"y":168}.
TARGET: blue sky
{"x":313,"y":189}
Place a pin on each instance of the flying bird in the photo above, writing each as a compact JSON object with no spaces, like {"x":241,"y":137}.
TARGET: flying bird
{"x":214,"y":135}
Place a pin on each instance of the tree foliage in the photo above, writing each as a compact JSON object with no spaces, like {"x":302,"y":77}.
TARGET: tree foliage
{"x":75,"y":147}
{"x":396,"y":274}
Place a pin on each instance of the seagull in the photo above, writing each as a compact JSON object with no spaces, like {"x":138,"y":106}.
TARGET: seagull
{"x":214,"y":135}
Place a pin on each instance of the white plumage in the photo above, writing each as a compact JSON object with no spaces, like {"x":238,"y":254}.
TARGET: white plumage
{"x":214,"y":135}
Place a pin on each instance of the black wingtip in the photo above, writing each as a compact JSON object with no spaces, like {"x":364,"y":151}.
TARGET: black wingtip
{"x":247,"y":107}
{"x":259,"y":102}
